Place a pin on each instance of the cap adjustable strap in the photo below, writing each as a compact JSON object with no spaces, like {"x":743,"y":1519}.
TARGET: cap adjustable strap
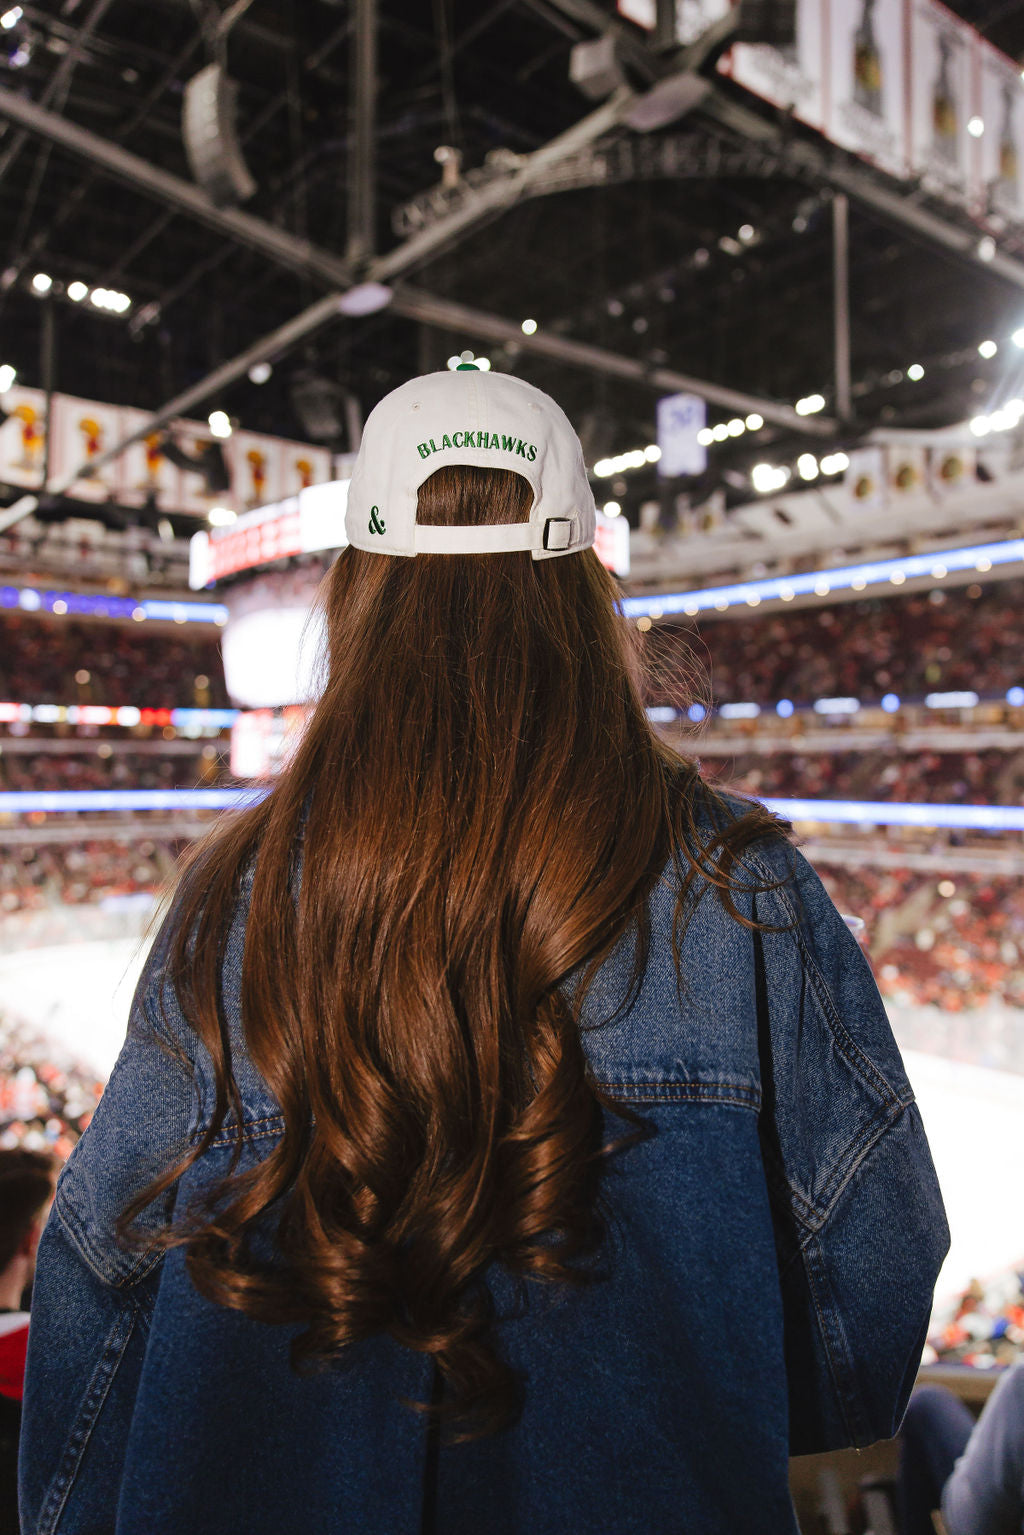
{"x":496,"y":538}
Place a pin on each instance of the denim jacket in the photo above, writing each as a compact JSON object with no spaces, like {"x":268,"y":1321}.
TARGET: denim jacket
{"x":772,"y":1248}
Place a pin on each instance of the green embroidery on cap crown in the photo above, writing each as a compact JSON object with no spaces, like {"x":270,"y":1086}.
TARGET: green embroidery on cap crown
{"x":490,"y":440}
{"x":376,"y":526}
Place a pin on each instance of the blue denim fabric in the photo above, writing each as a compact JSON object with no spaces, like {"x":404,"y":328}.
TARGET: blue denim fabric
{"x":773,"y":1245}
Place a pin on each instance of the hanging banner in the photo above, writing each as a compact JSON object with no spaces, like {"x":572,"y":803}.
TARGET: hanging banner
{"x":302,"y":467}
{"x":1000,"y":147}
{"x":790,"y":78}
{"x":681,"y":417}
{"x":255,"y":464}
{"x":82,"y":431}
{"x":941,"y":100}
{"x":867,"y":96}
{"x":143,"y":471}
{"x":865,"y":481}
{"x":23,"y":437}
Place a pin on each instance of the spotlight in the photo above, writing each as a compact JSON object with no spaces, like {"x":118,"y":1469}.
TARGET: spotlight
{"x":221,"y":516}
{"x":754,"y":422}
{"x":611,"y":509}
{"x":219,"y":423}
{"x":9,"y":20}
{"x":736,"y":427}
{"x":807,"y":466}
{"x":987,"y":349}
{"x":810,"y":405}
{"x":42,"y":282}
{"x":260,"y":372}
{"x":7,"y":376}
{"x":529,"y":327}
{"x":915,"y":372}
{"x":747,"y":233}
{"x":77,"y":291}
{"x":986,"y":248}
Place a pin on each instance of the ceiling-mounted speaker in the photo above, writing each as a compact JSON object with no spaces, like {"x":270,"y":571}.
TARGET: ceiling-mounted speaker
{"x":766,"y":21}
{"x":209,"y":129}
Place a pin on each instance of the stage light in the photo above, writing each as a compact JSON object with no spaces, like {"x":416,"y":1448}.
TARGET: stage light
{"x":1018,"y":337}
{"x":7,"y":376}
{"x":768,"y":477}
{"x":736,"y":427}
{"x":9,"y":20}
{"x":986,"y":248}
{"x":975,"y":126}
{"x":810,"y":405}
{"x":77,"y":291}
{"x":705,"y":437}
{"x":987,"y":349}
{"x":260,"y":372}
{"x":980,"y":426}
{"x":915,"y":372}
{"x":754,"y":422}
{"x":747,"y":233}
{"x":807,"y":466}
{"x":219,"y":423}
{"x":834,"y":463}
{"x":720,"y":432}
{"x":611,"y":509}
{"x":221,"y":516}
{"x":529,"y":327}
{"x":652,"y":453}
{"x":42,"y":282}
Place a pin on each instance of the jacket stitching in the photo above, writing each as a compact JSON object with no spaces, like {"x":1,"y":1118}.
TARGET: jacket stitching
{"x":845,"y":1044}
{"x":77,"y":1234}
{"x":116,"y":1342}
{"x":684,"y":1092}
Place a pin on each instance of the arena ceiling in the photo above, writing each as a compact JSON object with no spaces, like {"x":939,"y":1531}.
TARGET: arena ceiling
{"x":634,"y":266}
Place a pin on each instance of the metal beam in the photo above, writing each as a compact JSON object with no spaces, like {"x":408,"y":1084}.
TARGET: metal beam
{"x":247,"y":230}
{"x":841,"y":302}
{"x":362,"y":160}
{"x":448,"y":315}
{"x":296,"y":254}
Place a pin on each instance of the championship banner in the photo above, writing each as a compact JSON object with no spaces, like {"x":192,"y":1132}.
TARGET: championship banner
{"x":82,"y":431}
{"x":23,"y":437}
{"x":194,"y":493}
{"x":790,"y":78}
{"x":302,"y":467}
{"x":144,"y":472}
{"x":941,"y":101}
{"x":1000,"y":106}
{"x":866,"y":480}
{"x":255,"y":464}
{"x":867,"y":96}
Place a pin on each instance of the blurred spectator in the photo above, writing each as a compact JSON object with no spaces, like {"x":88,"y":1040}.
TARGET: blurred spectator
{"x":62,"y":661}
{"x":988,"y":777}
{"x":34,"y":875}
{"x":973,"y":1471}
{"x":964,"y":637}
{"x":26,"y":1188}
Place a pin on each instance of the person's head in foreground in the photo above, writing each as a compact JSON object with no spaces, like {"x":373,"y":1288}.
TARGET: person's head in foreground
{"x":26,"y":1188}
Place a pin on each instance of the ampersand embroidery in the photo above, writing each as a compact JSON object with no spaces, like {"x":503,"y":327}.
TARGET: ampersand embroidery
{"x":376,"y":525}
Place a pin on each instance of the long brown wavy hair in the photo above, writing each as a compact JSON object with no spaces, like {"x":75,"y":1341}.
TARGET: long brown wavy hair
{"x":482,"y":808}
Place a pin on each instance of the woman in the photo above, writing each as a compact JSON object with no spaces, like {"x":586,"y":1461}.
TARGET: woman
{"x":509,"y":1135}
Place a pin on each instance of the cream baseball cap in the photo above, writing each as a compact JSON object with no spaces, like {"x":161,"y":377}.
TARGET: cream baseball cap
{"x":492,"y":421}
